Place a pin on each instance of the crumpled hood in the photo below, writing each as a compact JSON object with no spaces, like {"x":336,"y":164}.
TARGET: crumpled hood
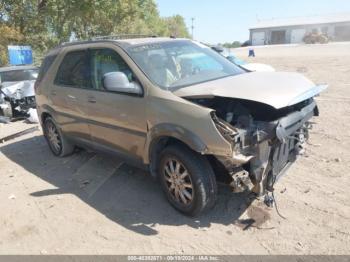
{"x":277,"y":89}
{"x":18,"y":90}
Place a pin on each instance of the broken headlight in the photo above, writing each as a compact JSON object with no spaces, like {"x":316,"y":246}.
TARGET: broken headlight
{"x":229,"y":133}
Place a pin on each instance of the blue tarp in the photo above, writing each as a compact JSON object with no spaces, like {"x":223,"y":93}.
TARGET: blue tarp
{"x":20,"y":55}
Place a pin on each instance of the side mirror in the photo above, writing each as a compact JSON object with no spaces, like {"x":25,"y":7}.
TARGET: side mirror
{"x":119,"y":82}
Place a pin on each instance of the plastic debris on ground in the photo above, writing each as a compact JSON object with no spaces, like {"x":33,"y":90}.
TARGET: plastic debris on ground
{"x":33,"y":116}
{"x":4,"y":119}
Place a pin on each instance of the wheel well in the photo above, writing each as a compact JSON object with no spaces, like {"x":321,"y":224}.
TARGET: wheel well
{"x":159,"y":144}
{"x":44,"y":116}
{"x":156,"y":148}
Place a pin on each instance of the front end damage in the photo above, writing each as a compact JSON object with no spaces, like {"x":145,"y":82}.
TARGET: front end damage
{"x":265,"y":141}
{"x":17,"y":98}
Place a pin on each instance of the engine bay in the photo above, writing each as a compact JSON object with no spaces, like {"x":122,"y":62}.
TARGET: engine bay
{"x":265,"y":140}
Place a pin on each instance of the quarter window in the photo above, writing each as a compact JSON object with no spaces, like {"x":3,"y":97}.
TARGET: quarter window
{"x":45,"y":66}
{"x":74,"y":70}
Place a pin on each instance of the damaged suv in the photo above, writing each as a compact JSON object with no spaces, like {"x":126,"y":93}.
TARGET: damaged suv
{"x":179,"y":109}
{"x":17,"y":90}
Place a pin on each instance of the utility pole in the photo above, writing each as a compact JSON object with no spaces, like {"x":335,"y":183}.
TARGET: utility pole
{"x":192,"y":27}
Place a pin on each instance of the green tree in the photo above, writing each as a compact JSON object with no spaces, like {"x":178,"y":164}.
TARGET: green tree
{"x":8,"y":36}
{"x":45,"y":23}
{"x":175,"y":26}
{"x":235,"y":44}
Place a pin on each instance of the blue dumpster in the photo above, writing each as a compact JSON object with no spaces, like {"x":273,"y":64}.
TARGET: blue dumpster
{"x":20,"y":55}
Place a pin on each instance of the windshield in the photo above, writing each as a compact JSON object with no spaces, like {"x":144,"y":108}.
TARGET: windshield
{"x":19,"y":75}
{"x":175,"y":64}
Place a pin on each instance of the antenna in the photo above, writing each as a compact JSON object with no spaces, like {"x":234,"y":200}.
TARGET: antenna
{"x":192,"y":27}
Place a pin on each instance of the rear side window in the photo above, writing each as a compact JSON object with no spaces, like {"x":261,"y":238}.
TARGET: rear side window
{"x":74,"y":70}
{"x":45,"y":66}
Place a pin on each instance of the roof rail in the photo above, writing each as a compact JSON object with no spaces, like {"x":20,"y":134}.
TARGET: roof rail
{"x":122,"y":36}
{"x":74,"y":42}
{"x":101,"y":38}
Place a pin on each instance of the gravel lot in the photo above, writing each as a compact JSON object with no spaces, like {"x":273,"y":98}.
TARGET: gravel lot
{"x":92,"y":204}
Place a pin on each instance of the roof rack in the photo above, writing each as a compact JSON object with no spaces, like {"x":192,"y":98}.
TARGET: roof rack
{"x":123,"y":36}
{"x":107,"y":37}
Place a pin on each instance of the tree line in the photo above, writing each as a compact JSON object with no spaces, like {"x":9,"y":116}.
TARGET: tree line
{"x":43,"y":24}
{"x":234,"y":44}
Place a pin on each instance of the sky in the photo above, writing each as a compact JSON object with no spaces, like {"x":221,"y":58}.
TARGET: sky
{"x":223,"y":21}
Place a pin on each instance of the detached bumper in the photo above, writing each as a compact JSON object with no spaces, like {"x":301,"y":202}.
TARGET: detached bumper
{"x":274,"y":157}
{"x":290,"y":124}
{"x":292,"y":133}
{"x":268,"y":149}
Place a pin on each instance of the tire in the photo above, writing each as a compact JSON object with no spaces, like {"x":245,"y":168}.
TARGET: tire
{"x":201,"y":196}
{"x":7,"y":112}
{"x":58,"y":143}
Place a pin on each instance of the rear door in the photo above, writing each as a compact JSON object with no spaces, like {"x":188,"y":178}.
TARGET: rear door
{"x":118,"y":120}
{"x":69,"y":94}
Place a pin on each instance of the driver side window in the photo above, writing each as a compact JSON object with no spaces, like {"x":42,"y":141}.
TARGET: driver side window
{"x":104,"y":61}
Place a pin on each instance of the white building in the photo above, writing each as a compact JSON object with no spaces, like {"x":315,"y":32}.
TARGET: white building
{"x":293,"y":30}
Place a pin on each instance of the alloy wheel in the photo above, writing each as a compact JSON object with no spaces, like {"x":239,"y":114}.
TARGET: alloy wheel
{"x":178,"y":181}
{"x":54,"y":137}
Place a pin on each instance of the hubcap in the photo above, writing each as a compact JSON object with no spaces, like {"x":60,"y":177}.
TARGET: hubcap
{"x":54,"y":137}
{"x":178,"y":181}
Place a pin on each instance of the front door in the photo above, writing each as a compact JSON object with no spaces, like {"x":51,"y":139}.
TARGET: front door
{"x":117,"y":120}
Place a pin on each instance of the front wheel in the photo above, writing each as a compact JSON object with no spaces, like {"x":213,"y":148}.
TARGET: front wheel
{"x":187,"y":180}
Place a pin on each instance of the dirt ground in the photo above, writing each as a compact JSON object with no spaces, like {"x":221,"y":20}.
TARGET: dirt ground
{"x":92,"y":204}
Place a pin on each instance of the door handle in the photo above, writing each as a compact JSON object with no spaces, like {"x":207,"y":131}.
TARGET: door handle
{"x":92,"y":100}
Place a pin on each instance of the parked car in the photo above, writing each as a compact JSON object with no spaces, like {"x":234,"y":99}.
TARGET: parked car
{"x":17,"y":94}
{"x":179,"y":109}
{"x":251,"y":67}
{"x":246,"y":43}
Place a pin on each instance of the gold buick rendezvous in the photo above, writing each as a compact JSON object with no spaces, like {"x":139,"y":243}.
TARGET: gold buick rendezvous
{"x":179,"y":109}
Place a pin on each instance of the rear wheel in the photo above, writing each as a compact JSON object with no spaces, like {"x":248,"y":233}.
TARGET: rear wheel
{"x":187,"y":180}
{"x":58,"y":143}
